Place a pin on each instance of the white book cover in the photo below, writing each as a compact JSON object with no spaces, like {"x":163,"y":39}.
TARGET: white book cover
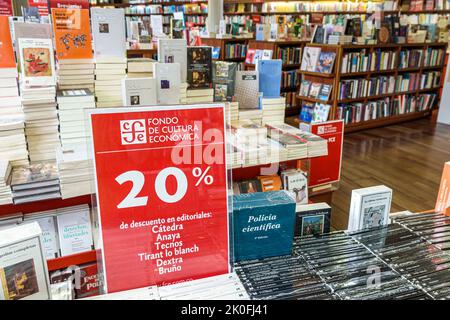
{"x":37,"y":62}
{"x":23,"y":267}
{"x":75,"y":232}
{"x":369,"y":207}
{"x":139,"y":91}
{"x":108,"y":32}
{"x":168,"y":82}
{"x":174,"y":50}
{"x":247,"y":89}
{"x":49,"y":235}
{"x":310,"y":58}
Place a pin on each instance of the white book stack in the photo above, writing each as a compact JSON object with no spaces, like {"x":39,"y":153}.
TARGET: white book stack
{"x":222,"y":287}
{"x":234,"y":155}
{"x":254,"y":115}
{"x":147,"y":293}
{"x":316,"y":146}
{"x":13,"y":146}
{"x":41,"y":122}
{"x":35,"y":182}
{"x":140,"y":68}
{"x":273,"y":110}
{"x":200,"y":96}
{"x":72,"y":105}
{"x":109,"y":73}
{"x":232,"y":108}
{"x":251,"y":139}
{"x":75,"y":169}
{"x":183,"y":92}
{"x":75,"y":74}
{"x":5,"y":189}
{"x":296,"y":147}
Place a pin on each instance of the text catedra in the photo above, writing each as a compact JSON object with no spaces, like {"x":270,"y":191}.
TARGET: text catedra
{"x":169,"y":228}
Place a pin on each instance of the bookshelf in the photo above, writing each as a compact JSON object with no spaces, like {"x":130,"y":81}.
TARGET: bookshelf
{"x":429,"y":64}
{"x":225,"y":45}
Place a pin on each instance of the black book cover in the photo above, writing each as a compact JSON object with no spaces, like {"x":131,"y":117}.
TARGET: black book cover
{"x":312,"y":222}
{"x":250,"y":186}
{"x":199,"y":62}
{"x":224,"y":75}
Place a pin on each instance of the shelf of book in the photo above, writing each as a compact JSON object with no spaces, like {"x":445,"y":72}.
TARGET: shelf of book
{"x":418,"y":67}
{"x":162,"y":14}
{"x":223,"y":44}
{"x":72,"y":260}
{"x":44,"y":205}
{"x":147,"y":3}
{"x":375,"y":123}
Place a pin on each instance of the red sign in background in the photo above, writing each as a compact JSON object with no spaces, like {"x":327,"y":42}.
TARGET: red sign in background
{"x":6,"y":8}
{"x":41,"y":5}
{"x":327,"y":169}
{"x":161,"y":221}
{"x":69,"y":4}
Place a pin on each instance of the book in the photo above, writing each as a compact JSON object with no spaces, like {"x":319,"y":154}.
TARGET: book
{"x":23,"y":267}
{"x":369,"y":207}
{"x":325,"y":92}
{"x":37,"y":62}
{"x":250,"y":56}
{"x":7,"y":59}
{"x":263,"y":225}
{"x":320,"y":112}
{"x":312,"y":219}
{"x":224,"y":74}
{"x":173,"y":50}
{"x":304,"y":88}
{"x":247,"y":89}
{"x":325,"y":62}
{"x":315,"y":90}
{"x":167,"y":82}
{"x":269,"y":77}
{"x":46,"y":221}
{"x":108,"y":33}
{"x":296,"y":182}
{"x":71,"y":28}
{"x":306,"y":114}
{"x":310,"y":59}
{"x":199,"y":65}
{"x":139,"y":91}
{"x":249,"y":186}
{"x":443,"y":199}
{"x":74,"y":229}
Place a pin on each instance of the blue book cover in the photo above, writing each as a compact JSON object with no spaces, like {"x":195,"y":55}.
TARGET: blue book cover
{"x":269,"y":77}
{"x":263,"y":224}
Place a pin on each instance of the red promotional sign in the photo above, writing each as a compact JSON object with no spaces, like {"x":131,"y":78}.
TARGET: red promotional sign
{"x":6,"y":8}
{"x":41,"y":5}
{"x":161,"y":183}
{"x":327,"y":169}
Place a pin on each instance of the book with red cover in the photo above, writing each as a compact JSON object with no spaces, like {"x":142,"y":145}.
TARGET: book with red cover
{"x":326,"y":169}
{"x":90,"y":282}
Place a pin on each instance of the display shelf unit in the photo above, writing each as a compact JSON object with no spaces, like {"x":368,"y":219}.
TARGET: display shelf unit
{"x":222,"y":44}
{"x":146,"y":3}
{"x":336,"y":76}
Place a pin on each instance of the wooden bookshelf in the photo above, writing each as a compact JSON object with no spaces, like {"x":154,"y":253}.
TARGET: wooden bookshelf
{"x":222,"y":44}
{"x":336,"y":76}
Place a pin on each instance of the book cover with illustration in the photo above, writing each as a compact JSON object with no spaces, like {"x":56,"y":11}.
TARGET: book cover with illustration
{"x":310,"y":58}
{"x":312,"y":219}
{"x":224,"y":74}
{"x":72,"y":33}
{"x":199,"y":63}
{"x":37,"y":62}
{"x":325,"y":62}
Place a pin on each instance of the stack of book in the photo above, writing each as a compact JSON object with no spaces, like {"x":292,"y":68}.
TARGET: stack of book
{"x":108,"y":81}
{"x":232,"y":108}
{"x":254,"y":115}
{"x":183,"y":92}
{"x":10,"y":220}
{"x":140,"y":68}
{"x":13,"y":145}
{"x":76,"y":73}
{"x":35,"y":182}
{"x":41,"y":122}
{"x":75,"y":169}
{"x":221,"y":287}
{"x":316,"y":146}
{"x":200,"y":96}
{"x":5,"y":189}
{"x":147,"y":293}
{"x":72,"y":105}
{"x":296,"y":148}
{"x":273,"y":110}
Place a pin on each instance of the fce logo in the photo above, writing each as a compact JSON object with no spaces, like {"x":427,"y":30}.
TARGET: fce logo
{"x":133,"y":131}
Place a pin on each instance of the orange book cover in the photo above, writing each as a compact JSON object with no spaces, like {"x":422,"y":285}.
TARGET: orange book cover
{"x":7,"y":59}
{"x":71,"y":28}
{"x":443,"y":199}
{"x":270,"y":183}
